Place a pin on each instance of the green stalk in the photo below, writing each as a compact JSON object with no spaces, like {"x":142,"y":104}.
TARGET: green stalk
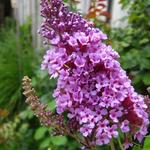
{"x":112,"y":145}
{"x":121,"y":147}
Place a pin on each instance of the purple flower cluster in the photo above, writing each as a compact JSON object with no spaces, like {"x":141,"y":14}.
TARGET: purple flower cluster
{"x":92,"y":87}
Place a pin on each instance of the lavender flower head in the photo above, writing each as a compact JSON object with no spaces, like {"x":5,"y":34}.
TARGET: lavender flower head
{"x":92,"y":87}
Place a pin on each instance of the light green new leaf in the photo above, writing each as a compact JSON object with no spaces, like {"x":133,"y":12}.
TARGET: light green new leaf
{"x":59,"y":140}
{"x":45,"y":143}
{"x":40,"y":132}
{"x":147,"y":143}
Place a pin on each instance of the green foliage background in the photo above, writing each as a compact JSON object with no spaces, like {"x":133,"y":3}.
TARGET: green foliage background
{"x":19,"y":129}
{"x":133,"y":43}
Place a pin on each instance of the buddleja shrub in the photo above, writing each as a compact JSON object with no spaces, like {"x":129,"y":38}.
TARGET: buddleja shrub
{"x":94,"y":97}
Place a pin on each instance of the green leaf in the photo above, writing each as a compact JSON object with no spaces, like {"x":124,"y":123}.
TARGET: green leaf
{"x":136,"y":148}
{"x":45,"y":143}
{"x":26,"y":114}
{"x":59,"y":140}
{"x":52,"y":105}
{"x":147,"y":143}
{"x":40,"y":133}
{"x":144,"y":63}
{"x":66,"y":1}
{"x":143,"y":41}
{"x":124,"y":44}
{"x":130,"y":59}
{"x":146,"y":78}
{"x":146,"y":52}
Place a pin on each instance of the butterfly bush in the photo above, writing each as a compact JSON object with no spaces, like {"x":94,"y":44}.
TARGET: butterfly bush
{"x":92,"y":88}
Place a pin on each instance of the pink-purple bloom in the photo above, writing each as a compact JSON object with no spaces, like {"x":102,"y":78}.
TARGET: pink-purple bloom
{"x":92,"y":87}
{"x":127,"y":144}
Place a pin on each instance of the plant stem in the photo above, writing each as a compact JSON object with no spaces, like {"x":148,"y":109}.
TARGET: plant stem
{"x":121,"y":147}
{"x":112,"y":145}
{"x":92,"y":148}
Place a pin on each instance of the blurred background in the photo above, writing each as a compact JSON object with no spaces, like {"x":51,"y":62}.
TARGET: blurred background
{"x":127,"y":24}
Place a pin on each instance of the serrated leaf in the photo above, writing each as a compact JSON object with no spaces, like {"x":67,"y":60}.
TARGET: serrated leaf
{"x":59,"y":140}
{"x":40,"y":133}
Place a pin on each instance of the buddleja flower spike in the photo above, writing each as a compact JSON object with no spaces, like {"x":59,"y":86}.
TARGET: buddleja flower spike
{"x":92,"y":88}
